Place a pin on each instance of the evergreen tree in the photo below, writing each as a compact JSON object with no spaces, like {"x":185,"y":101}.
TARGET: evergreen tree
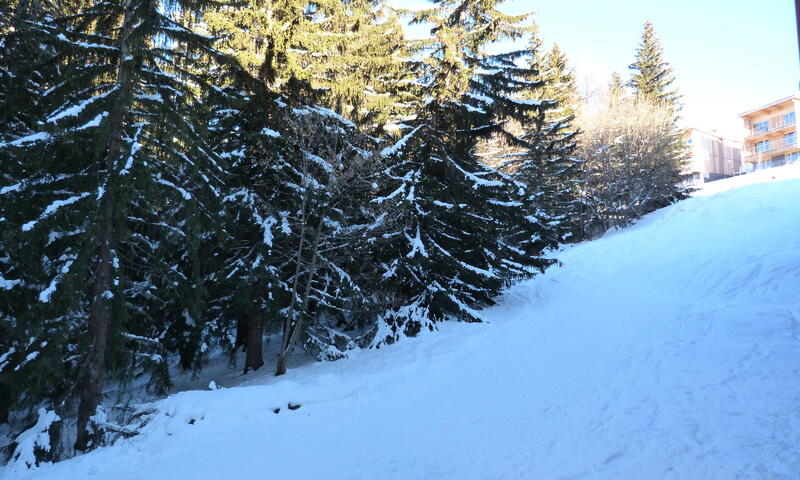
{"x":133,"y":170}
{"x":452,"y":222}
{"x":243,"y":127}
{"x":559,"y":177}
{"x":616,"y":87}
{"x":350,"y":52}
{"x":535,"y":144}
{"x":20,"y":84}
{"x":652,"y":77}
{"x":652,"y":81}
{"x":180,"y":178}
{"x":559,"y":85}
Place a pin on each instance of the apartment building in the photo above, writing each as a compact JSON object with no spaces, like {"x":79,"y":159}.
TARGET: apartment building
{"x":771,"y":134}
{"x":712,"y":156}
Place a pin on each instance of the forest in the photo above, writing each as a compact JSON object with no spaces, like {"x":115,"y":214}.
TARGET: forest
{"x":191,"y":178}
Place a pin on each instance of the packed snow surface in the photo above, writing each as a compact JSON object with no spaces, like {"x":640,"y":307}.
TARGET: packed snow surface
{"x":669,"y":350}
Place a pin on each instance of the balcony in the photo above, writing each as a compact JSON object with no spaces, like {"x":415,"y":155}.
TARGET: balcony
{"x":776,"y":124}
{"x":765,"y":152}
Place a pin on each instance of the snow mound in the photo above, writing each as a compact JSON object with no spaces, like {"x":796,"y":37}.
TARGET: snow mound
{"x":668,"y":350}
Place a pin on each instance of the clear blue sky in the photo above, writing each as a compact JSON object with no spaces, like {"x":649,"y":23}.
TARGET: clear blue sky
{"x":728,"y":55}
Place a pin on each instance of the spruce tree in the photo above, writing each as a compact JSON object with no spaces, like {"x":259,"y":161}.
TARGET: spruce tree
{"x":133,"y":169}
{"x":616,"y":87}
{"x":652,"y":81}
{"x":244,"y":300}
{"x":451,"y":221}
{"x":559,"y":84}
{"x":652,"y":77}
{"x":561,"y":178}
{"x":349,"y":52}
{"x":536,"y":142}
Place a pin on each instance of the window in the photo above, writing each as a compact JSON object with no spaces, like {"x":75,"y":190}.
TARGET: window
{"x":790,"y":138}
{"x":792,"y":157}
{"x":761,"y":127}
{"x":789,"y":118}
{"x":777,"y":161}
{"x":762,"y":146}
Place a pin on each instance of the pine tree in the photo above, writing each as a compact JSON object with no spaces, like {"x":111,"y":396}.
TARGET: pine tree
{"x":561,"y":177}
{"x":652,"y":76}
{"x":133,"y":170}
{"x":19,"y":112}
{"x":652,"y":81}
{"x":536,"y":143}
{"x":559,"y":85}
{"x":349,"y":52}
{"x":616,"y":87}
{"x":452,"y":223}
{"x":243,"y":128}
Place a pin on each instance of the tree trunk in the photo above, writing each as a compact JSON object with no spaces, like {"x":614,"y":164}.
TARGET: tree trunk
{"x":99,"y":319}
{"x":5,"y":399}
{"x":289,"y":321}
{"x":241,"y":334}
{"x":254,"y":357}
{"x":296,"y":325}
{"x":100,"y":311}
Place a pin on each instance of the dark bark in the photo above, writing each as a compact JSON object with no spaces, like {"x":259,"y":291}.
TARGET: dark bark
{"x":100,"y":311}
{"x":241,"y":334}
{"x":5,"y":400}
{"x":254,"y":358}
{"x":99,"y":319}
{"x":186,"y":353}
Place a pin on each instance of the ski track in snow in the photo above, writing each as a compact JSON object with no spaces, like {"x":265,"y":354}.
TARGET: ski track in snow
{"x":669,"y":350}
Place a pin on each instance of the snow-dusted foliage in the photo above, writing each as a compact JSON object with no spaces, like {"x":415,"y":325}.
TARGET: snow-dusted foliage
{"x":113,"y":192}
{"x":181,"y":180}
{"x":34,"y":443}
{"x":456,"y":228}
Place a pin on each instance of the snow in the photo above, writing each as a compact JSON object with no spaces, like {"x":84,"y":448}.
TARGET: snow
{"x":53,"y":208}
{"x":416,"y":245}
{"x":393,"y":149}
{"x":320,"y":161}
{"x":524,"y":101}
{"x":33,"y":138}
{"x":325,"y":112}
{"x":10,"y":188}
{"x":6,"y":284}
{"x":63,"y":38}
{"x":75,"y":110}
{"x":4,"y":358}
{"x":184,"y":194}
{"x":95,"y":122}
{"x":270,"y":132}
{"x":35,"y":437}
{"x":44,"y":295}
{"x":28,"y":358}
{"x":667,"y":350}
{"x":135,"y":146}
{"x":266,"y":225}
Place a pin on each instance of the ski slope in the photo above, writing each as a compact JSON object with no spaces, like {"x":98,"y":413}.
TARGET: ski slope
{"x":669,"y":350}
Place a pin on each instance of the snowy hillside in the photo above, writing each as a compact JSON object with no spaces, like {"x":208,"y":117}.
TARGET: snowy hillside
{"x":670,"y":350}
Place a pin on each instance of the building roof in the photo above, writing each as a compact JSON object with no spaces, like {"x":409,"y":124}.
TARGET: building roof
{"x":712,"y":133}
{"x":771,"y":104}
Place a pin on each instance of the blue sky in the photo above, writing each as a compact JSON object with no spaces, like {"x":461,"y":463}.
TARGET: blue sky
{"x":728,"y":55}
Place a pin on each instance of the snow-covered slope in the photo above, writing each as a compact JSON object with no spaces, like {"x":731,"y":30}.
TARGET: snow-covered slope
{"x":670,"y":350}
